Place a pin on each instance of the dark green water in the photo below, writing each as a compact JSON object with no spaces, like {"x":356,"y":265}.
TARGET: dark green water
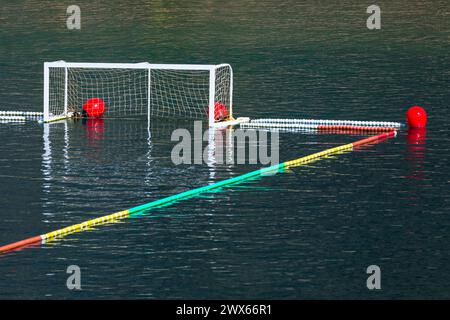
{"x":307,"y":234}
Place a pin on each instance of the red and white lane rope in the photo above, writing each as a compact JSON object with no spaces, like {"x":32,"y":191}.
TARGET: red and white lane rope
{"x":315,"y":123}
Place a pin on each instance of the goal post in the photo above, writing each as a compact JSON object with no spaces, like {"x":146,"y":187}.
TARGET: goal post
{"x":140,"y":90}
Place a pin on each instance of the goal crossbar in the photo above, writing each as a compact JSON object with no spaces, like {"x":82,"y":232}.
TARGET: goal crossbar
{"x":140,"y":65}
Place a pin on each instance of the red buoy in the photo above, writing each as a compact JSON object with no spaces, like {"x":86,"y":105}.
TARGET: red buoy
{"x":94,"y":107}
{"x":417,"y":117}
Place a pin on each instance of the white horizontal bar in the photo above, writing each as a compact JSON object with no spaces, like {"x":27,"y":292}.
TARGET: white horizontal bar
{"x":141,"y":65}
{"x":182,"y":66}
{"x":63,"y":64}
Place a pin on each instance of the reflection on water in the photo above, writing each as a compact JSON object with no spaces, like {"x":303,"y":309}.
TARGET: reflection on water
{"x":94,"y":130}
{"x":416,"y":144}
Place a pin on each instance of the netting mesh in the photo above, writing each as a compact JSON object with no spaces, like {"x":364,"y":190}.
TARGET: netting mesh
{"x":223,"y":84}
{"x":124,"y":91}
{"x":56,"y":91}
{"x":173,"y":92}
{"x":179,"y":93}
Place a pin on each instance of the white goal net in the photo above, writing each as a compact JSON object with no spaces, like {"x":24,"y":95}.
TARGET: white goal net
{"x":138,"y":90}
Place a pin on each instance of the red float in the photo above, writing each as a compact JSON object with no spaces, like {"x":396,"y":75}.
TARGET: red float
{"x":94,"y":107}
{"x":417,"y":117}
{"x":220,"y":111}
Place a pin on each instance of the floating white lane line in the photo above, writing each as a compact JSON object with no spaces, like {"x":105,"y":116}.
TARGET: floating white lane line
{"x":21,"y":113}
{"x":387,"y":124}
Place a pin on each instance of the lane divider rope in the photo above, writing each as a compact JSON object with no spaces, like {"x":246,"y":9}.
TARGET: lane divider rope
{"x":387,"y":124}
{"x":21,"y":113}
{"x":12,"y":119}
{"x":319,"y":127}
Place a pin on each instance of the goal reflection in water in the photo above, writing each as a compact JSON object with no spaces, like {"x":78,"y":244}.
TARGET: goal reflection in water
{"x":102,"y":165}
{"x":85,"y":162}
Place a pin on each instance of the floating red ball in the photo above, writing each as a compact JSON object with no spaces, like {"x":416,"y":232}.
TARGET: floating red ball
{"x":417,"y":117}
{"x":94,"y":107}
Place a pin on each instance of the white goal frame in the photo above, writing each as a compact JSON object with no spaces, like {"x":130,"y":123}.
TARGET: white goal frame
{"x":48,"y":117}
